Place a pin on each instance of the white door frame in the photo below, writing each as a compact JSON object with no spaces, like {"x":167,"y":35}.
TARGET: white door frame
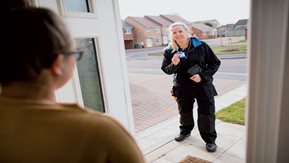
{"x":268,"y":102}
{"x":267,"y":106}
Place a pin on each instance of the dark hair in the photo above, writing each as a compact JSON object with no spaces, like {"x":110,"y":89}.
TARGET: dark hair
{"x":31,"y":38}
{"x":7,"y":5}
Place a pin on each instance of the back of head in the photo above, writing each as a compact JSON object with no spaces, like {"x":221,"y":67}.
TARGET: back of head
{"x":7,"y":5}
{"x":31,"y":38}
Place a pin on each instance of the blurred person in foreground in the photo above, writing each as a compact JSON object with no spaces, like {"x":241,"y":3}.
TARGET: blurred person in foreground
{"x":193,"y":64}
{"x":37,"y":58}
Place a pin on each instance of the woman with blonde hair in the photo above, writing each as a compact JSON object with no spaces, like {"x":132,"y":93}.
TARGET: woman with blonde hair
{"x":193,"y":64}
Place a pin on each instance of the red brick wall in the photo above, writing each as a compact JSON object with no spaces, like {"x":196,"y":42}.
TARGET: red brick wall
{"x":199,"y":33}
{"x":128,"y":40}
{"x":138,"y":34}
{"x":128,"y":36}
{"x":141,"y":34}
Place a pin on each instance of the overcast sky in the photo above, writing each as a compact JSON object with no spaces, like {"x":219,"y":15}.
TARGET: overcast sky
{"x":225,"y":11}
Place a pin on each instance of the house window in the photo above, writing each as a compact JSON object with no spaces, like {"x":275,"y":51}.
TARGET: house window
{"x":148,"y":29}
{"x":127,"y":31}
{"x":158,"y":41}
{"x":89,"y":76}
{"x":158,"y":30}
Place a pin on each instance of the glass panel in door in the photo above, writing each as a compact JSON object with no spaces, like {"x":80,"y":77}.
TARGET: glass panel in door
{"x":89,"y":77}
{"x":76,"y":5}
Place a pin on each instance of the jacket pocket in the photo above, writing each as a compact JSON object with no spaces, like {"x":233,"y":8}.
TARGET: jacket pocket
{"x":210,"y":90}
{"x":175,"y":91}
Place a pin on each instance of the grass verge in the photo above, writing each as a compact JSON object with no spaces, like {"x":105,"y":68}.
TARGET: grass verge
{"x":234,"y":113}
{"x":239,"y":47}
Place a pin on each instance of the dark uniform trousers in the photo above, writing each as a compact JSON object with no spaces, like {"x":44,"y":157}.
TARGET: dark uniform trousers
{"x":186,"y":97}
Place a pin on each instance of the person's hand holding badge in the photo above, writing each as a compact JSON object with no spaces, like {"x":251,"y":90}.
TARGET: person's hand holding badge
{"x":176,"y":59}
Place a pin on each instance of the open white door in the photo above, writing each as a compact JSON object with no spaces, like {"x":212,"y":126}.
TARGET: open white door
{"x":100,"y":80}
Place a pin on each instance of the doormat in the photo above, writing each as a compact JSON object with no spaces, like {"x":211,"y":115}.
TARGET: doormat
{"x":192,"y":159}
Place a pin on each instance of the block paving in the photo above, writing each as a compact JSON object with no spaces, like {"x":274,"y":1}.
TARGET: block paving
{"x":152,"y":102}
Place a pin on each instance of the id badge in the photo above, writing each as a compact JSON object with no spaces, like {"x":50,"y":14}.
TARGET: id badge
{"x":182,"y":54}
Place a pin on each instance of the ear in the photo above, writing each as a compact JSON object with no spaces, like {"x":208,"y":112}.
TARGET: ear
{"x":57,"y":65}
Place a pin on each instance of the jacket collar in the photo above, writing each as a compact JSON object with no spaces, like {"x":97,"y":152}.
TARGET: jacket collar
{"x":195,"y":42}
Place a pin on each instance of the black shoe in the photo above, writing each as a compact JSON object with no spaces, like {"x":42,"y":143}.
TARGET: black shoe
{"x":211,"y":147}
{"x":181,"y":137}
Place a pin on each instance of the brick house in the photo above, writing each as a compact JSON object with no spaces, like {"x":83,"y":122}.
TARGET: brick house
{"x":164,"y":23}
{"x":152,"y":31}
{"x":238,"y":29}
{"x":128,"y":38}
{"x":241,"y":24}
{"x":147,"y":33}
{"x":203,"y":31}
{"x":223,"y":29}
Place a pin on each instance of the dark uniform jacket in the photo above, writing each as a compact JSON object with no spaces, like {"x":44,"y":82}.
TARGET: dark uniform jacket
{"x":197,"y":53}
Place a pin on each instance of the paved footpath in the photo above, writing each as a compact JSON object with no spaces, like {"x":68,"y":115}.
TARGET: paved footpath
{"x":156,"y":122}
{"x":152,"y":102}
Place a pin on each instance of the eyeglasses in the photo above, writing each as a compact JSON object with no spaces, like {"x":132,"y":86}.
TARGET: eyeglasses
{"x":78,"y":54}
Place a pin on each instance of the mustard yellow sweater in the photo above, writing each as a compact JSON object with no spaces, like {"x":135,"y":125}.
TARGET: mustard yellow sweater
{"x":31,"y":131}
